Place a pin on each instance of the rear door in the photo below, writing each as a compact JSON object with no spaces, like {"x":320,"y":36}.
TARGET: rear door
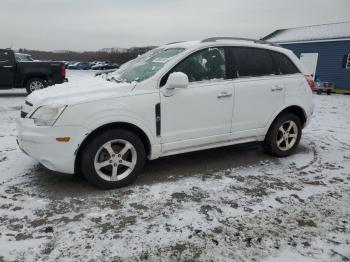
{"x":259,"y":90}
{"x":7,"y":69}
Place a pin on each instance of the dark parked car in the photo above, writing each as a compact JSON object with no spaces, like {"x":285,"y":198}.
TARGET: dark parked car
{"x":80,"y":66}
{"x":32,"y":75}
{"x":68,"y":63}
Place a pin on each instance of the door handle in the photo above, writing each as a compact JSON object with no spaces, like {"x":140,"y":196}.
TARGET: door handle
{"x":7,"y":66}
{"x":277,"y":88}
{"x":224,"y":95}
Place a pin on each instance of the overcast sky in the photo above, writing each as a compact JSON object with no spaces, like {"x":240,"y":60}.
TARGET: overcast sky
{"x":95,"y":24}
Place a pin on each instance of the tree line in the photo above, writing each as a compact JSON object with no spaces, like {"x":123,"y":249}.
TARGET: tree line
{"x":113,"y":55}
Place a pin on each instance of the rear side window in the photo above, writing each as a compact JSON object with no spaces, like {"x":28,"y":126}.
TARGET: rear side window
{"x":283,"y":64}
{"x":252,"y":62}
{"x":23,"y":58}
{"x":4,"y":56}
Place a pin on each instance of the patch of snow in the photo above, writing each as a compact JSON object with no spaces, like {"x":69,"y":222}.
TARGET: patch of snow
{"x":235,"y":203}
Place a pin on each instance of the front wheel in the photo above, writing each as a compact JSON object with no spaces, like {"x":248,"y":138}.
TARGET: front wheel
{"x":34,"y":84}
{"x":113,"y":159}
{"x":283,"y":136}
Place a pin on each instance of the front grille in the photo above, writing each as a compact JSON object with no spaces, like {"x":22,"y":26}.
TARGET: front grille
{"x":23,"y":114}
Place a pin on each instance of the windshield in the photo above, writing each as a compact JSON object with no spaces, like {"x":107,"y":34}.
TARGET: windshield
{"x":144,"y":66}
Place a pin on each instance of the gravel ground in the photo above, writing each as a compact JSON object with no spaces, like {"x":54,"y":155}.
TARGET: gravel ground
{"x":229,"y":204}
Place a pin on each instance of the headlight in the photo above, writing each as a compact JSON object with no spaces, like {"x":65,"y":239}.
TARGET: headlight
{"x":47,"y":115}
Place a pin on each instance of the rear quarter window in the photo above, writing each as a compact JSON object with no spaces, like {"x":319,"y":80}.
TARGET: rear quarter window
{"x":284,"y":66}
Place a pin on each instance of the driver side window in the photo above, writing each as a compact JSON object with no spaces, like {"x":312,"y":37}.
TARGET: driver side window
{"x":207,"y":64}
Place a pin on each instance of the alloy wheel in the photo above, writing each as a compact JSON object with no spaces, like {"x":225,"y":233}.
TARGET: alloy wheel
{"x":287,"y":135}
{"x":36,"y":85}
{"x":115,"y":160}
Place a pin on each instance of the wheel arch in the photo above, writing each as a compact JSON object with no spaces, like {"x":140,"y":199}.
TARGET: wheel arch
{"x":31,"y":76}
{"x":294,"y":109}
{"x":125,"y":125}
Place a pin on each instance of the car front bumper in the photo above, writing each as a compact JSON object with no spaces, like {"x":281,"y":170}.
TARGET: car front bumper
{"x":40,"y":143}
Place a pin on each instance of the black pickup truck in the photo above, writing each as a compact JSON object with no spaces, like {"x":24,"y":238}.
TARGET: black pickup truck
{"x":32,"y":75}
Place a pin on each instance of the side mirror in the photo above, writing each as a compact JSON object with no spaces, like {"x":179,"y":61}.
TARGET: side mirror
{"x":177,"y":80}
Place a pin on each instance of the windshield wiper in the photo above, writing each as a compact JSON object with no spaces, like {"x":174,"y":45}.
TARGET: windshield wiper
{"x":118,"y":80}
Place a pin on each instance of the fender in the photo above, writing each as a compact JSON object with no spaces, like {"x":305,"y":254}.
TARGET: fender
{"x":273,"y":117}
{"x":104,"y":118}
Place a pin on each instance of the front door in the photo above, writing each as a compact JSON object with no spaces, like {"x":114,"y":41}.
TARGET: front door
{"x":7,"y":69}
{"x":202,"y":113}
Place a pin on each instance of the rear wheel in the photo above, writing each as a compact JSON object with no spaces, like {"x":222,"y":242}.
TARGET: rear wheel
{"x":34,"y":84}
{"x":113,"y":159}
{"x":283,"y":136}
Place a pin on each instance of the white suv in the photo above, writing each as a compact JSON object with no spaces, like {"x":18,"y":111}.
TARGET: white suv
{"x":177,"y":98}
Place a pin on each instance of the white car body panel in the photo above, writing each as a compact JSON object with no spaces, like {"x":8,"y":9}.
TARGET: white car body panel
{"x":181,"y":123}
{"x":40,"y":144}
{"x":263,"y":101}
{"x":192,"y":119}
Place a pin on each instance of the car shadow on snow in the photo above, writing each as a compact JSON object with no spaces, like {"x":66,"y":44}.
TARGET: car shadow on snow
{"x":166,"y":169}
{"x":205,"y":162}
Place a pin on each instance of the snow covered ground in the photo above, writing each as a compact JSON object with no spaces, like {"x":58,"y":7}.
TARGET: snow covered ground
{"x":229,"y":204}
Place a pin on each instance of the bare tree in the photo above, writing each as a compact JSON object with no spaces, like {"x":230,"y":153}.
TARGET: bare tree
{"x":113,"y":55}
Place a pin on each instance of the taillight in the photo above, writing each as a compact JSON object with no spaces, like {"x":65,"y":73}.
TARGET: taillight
{"x":310,"y":80}
{"x":63,"y":71}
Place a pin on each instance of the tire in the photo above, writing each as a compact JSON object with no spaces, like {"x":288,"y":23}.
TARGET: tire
{"x":272,"y":143}
{"x":104,"y":167}
{"x":329,"y":92}
{"x":35,"y":84}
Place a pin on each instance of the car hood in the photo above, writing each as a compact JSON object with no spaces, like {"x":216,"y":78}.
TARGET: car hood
{"x":82,"y":91}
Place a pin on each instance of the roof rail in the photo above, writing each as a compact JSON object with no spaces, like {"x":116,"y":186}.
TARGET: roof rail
{"x":175,"y":42}
{"x":214,"y":39}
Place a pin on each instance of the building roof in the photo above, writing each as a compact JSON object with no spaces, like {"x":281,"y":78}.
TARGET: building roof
{"x":312,"y":33}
